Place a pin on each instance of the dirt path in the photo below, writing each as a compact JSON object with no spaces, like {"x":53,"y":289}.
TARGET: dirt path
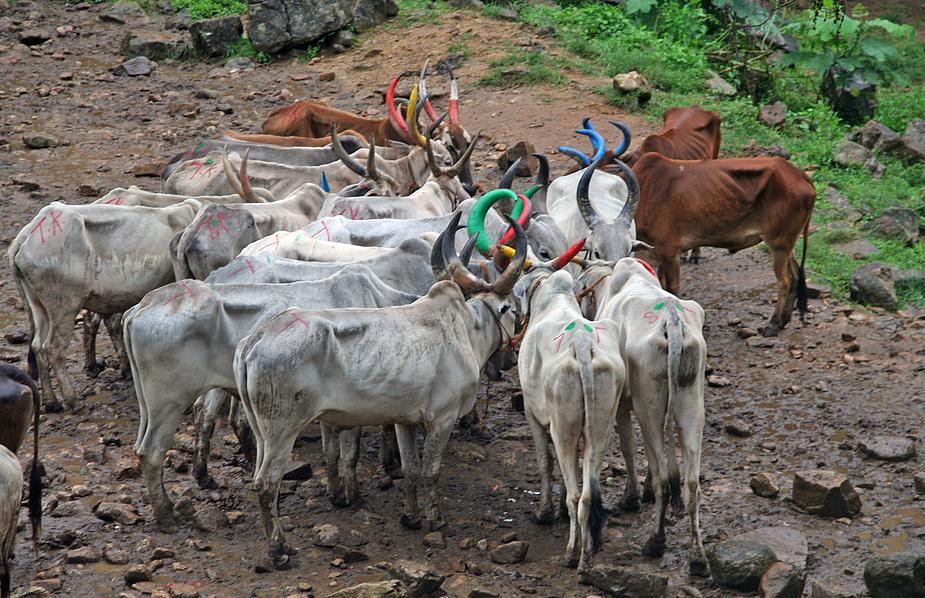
{"x":807,"y":397}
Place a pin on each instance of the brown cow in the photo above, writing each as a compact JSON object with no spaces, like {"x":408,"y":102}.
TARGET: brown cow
{"x":730,"y":203}
{"x":689,"y":133}
{"x":286,"y":141}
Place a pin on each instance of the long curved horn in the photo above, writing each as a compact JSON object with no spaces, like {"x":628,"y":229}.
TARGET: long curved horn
{"x":569,"y":254}
{"x":454,"y":98}
{"x":437,"y":258}
{"x":431,"y":113}
{"x":627,"y":137}
{"x":521,"y":217}
{"x":341,"y":153}
{"x":371,"y":160}
{"x":597,"y":142}
{"x":574,"y":154}
{"x":413,"y":128}
{"x":505,"y":283}
{"x":507,"y":181}
{"x":542,"y":176}
{"x":586,"y":123}
{"x":476,"y":221}
{"x":398,"y":123}
{"x":457,"y":168}
{"x":581,"y":195}
{"x":632,"y":193}
{"x":433,"y":126}
{"x":465,"y":256}
{"x":239,"y":181}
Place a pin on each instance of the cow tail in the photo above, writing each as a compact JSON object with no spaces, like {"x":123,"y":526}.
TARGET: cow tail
{"x":675,"y":332}
{"x":32,"y":360}
{"x":5,"y":578}
{"x":35,"y":476}
{"x":596,"y":515}
{"x":802,"y":291}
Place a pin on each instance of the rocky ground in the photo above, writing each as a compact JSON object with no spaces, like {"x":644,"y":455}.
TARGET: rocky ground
{"x":806,"y":400}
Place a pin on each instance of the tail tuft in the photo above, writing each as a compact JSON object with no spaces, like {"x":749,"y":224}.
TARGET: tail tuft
{"x":596,"y":516}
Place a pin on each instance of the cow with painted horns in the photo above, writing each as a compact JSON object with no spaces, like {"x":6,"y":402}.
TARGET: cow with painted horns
{"x":662,"y":344}
{"x":732,"y":204}
{"x":415,"y":365}
{"x":19,"y":407}
{"x":102,"y":258}
{"x":181,"y":340}
{"x":572,"y":375}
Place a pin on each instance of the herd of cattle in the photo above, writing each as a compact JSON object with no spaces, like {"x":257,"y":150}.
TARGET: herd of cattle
{"x":316,"y":276}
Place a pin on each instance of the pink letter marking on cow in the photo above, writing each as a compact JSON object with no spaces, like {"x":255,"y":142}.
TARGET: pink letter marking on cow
{"x":351,"y":212}
{"x":247,"y":267}
{"x":218,"y":223}
{"x":39,"y":227}
{"x":276,"y":243}
{"x":324,"y":227}
{"x":116,"y":201}
{"x":55,"y":225}
{"x":586,"y":327}
{"x":189,"y":291}
{"x":297,"y":319}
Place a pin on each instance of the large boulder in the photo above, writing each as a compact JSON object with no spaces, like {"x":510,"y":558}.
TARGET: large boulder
{"x":213,"y":37}
{"x":369,"y":13}
{"x":852,"y":98}
{"x":914,"y":141}
{"x":900,"y":575}
{"x":739,"y":564}
{"x":155,"y":45}
{"x":872,"y":284}
{"x":825,"y":493}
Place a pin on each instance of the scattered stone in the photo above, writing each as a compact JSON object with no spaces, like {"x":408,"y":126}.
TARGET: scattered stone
{"x":83,"y":556}
{"x":327,"y":77}
{"x":859,"y":248}
{"x":379,"y":589}
{"x":213,"y":37}
{"x":128,"y":469}
{"x":523,"y":151}
{"x":344,"y":38}
{"x":33,"y":37}
{"x":627,"y":582}
{"x":739,"y":428}
{"x":509,"y":13}
{"x":878,"y":137}
{"x":89,"y":190}
{"x":717,"y":84}
{"x":135,"y":574}
{"x":419,"y":578}
{"x":914,"y":141}
{"x":888,"y":448}
{"x":124,"y":12}
{"x":897,"y":575}
{"x":152,"y":169}
{"x":752,"y":149}
{"x":115,"y":556}
{"x":718,"y":381}
{"x":789,"y":545}
{"x":765,"y":485}
{"x":852,"y":98}
{"x":239,"y":63}
{"x":135,"y":67}
{"x":739,"y":564}
{"x":40,"y":140}
{"x":211,"y":518}
{"x":633,"y":83}
{"x":774,"y":115}
{"x":182,"y":590}
{"x":919,"y":480}
{"x":435,"y":540}
{"x":152,"y":44}
{"x":118,"y":512}
{"x":872,"y":284}
{"x":17,"y":337}
{"x":782,"y":581}
{"x":839,"y":203}
{"x":349,"y":555}
{"x":298,"y":470}
{"x":510,"y":553}
{"x":825,"y":493}
{"x":326,"y":535}
{"x":468,"y":543}
{"x":186,"y":109}
{"x":162,"y":552}
{"x":848,"y":153}
{"x":546,"y":31}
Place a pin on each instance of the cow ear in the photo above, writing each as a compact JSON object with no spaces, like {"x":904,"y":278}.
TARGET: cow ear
{"x":641,"y":246}
{"x":400,"y":147}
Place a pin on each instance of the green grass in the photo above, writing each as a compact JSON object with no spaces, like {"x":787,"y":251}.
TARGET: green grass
{"x":525,"y":67}
{"x":244,"y":48}
{"x":207,"y":9}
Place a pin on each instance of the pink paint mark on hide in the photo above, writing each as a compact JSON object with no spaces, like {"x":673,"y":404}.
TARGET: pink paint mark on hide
{"x":189,"y":291}
{"x":324,"y":228}
{"x":598,"y":328}
{"x":650,"y":317}
{"x":560,"y":337}
{"x":248,"y":267}
{"x":55,"y":223}
{"x":39,"y":227}
{"x":297,"y":319}
{"x":351,"y":213}
{"x":116,"y":201}
{"x":215,"y":224}
{"x":275,"y":243}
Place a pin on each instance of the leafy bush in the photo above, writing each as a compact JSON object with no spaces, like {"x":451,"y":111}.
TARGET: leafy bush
{"x":244,"y":48}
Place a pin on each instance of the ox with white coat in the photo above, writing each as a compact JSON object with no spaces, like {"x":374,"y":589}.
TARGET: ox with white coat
{"x":298,"y":245}
{"x":415,"y":365}
{"x":134,"y":196}
{"x":181,"y":340}
{"x":10,"y":497}
{"x":661,"y":340}
{"x":102,"y":258}
{"x":572,"y":375}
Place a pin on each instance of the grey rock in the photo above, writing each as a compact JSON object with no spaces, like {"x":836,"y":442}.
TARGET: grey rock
{"x":906,"y":217}
{"x":83,"y":556}
{"x":852,"y":98}
{"x":774,"y":115}
{"x":136,"y":573}
{"x":893,"y":229}
{"x":116,"y":556}
{"x":839,"y":203}
{"x":40,"y":140}
{"x":828,"y":590}
{"x":521,"y":433}
{"x":919,"y":481}
{"x":239,"y":63}
{"x":848,"y":153}
{"x":344,"y":37}
{"x":738,"y":428}
{"x":872,"y":284}
{"x":877,"y":136}
{"x":898,"y":575}
{"x":380,"y":589}
{"x":888,"y":448}
{"x":467,"y":4}
{"x":326,"y":535}
{"x":825,"y":493}
{"x":298,"y":470}
{"x":435,"y":540}
{"x":789,"y":545}
{"x":753,"y":149}
{"x":717,"y":84}
{"x":739,"y":565}
{"x":118,"y":512}
{"x":546,"y":31}
{"x":125,"y":12}
{"x":349,"y":555}
{"x":522,"y":150}
{"x":278,"y":24}
{"x":765,"y":485}
{"x":419,"y":578}
{"x":211,"y":518}
{"x":369,"y":13}
{"x":627,"y":582}
{"x":509,"y":13}
{"x":213,"y":37}
{"x":914,"y":141}
{"x":135,"y":67}
{"x":510,"y":553}
{"x":33,"y":37}
{"x":156,"y":45}
{"x":782,"y":581}
{"x":858,"y":248}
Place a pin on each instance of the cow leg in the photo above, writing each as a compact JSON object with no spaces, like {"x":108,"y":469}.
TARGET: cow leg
{"x":630,"y":501}
{"x":114,"y":327}
{"x":651,"y":421}
{"x":669,"y":273}
{"x":350,"y":455}
{"x":545,"y":510}
{"x":242,"y":429}
{"x":41,"y":324}
{"x":689,"y":418}
{"x":411,"y":464}
{"x":437,"y":437}
{"x":331,"y":448}
{"x":786,"y":269}
{"x":91,"y":326}
{"x":207,"y":409}
{"x":272,"y":459}
{"x":54,"y":350}
{"x":389,"y":456}
{"x":155,"y":435}
{"x":566,"y":434}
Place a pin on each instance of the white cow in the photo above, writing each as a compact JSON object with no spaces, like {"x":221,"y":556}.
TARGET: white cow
{"x":181,"y":339}
{"x":102,"y":258}
{"x":218,"y":233}
{"x":415,"y":365}
{"x":661,"y":339}
{"x":298,"y":245}
{"x":572,"y":375}
{"x":10,"y":498}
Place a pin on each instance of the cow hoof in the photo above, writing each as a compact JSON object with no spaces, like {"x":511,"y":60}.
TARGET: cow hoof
{"x":542,"y":518}
{"x":395,"y":472}
{"x":482,"y":433}
{"x":340,"y":501}
{"x":94,"y":370}
{"x":654,"y":547}
{"x":699,"y":568}
{"x":413,"y":523}
{"x":283,"y":562}
{"x":168,"y":525}
{"x":358,"y":500}
{"x":207,"y":482}
{"x":769,"y":331}
{"x":630,"y":504}
{"x":54,"y":407}
{"x":436,"y":524}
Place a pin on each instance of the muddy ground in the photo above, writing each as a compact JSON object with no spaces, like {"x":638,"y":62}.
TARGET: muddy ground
{"x":808,"y":396}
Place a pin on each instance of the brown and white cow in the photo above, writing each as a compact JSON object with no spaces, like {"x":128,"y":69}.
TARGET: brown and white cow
{"x":729,"y":203}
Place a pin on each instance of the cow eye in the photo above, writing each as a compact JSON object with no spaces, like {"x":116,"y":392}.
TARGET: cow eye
{"x":545,"y":254}
{"x":504,"y":308}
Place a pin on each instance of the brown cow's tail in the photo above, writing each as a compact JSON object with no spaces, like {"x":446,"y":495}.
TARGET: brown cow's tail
{"x":802,"y":291}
